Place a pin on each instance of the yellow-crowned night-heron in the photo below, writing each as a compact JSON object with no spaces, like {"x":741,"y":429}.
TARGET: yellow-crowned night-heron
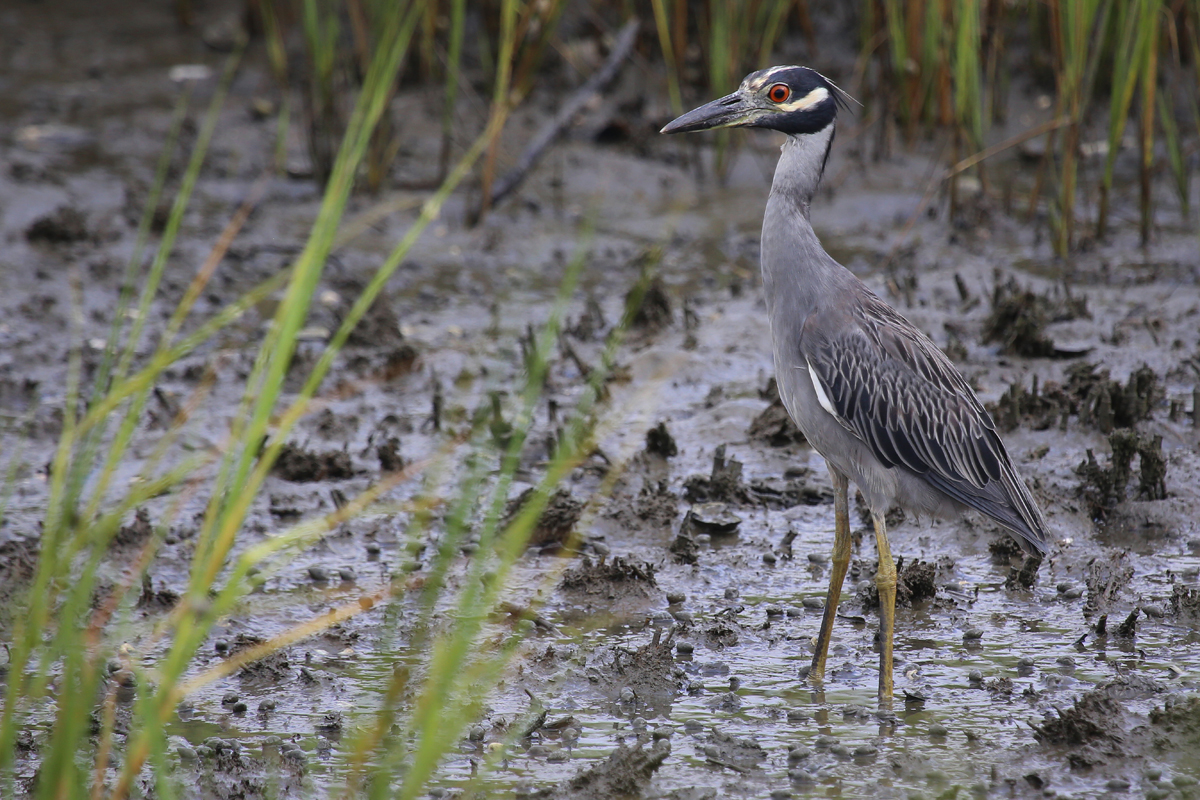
{"x":871,"y":392}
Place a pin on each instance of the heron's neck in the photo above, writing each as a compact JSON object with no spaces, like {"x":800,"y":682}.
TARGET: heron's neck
{"x":798,"y":173}
{"x":797,"y":272}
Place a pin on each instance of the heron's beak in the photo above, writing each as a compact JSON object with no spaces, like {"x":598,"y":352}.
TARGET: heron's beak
{"x":730,"y":111}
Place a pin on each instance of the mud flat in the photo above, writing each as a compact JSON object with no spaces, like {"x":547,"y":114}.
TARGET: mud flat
{"x":666,"y":656}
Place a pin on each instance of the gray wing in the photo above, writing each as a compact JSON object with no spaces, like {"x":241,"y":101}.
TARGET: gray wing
{"x":899,"y":394}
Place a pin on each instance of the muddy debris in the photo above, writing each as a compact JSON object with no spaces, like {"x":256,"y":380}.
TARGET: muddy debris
{"x":1089,"y":394}
{"x":684,"y":548}
{"x":1128,"y":628}
{"x":721,"y":634}
{"x":625,"y":773}
{"x":1104,"y":488}
{"x":725,"y":485}
{"x":738,"y":754}
{"x":654,"y":313}
{"x":1176,"y":724}
{"x":378,"y":327}
{"x":774,"y":425}
{"x":1106,"y":404}
{"x":136,"y":533}
{"x":1019,"y":317}
{"x":1185,"y":603}
{"x":645,"y":677}
{"x":1025,"y":576}
{"x":555,"y":523}
{"x":64,"y":225}
{"x":1106,"y":579}
{"x":608,"y":577}
{"x":916,"y":581}
{"x":390,"y":460}
{"x":656,"y":505}
{"x":298,"y":465}
{"x":1089,"y":720}
{"x":155,"y":600}
{"x":272,"y":669}
{"x":1005,"y":548}
{"x":400,"y":361}
{"x":1095,"y":728}
{"x":591,"y":323}
{"x":660,"y":442}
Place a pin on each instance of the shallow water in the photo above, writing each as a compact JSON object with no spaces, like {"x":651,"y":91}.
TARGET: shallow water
{"x":463,"y":301}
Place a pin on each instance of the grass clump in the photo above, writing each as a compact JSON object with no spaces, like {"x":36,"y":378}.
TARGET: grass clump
{"x":105,"y":710}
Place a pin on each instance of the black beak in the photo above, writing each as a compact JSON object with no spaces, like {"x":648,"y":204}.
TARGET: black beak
{"x":728,"y":112}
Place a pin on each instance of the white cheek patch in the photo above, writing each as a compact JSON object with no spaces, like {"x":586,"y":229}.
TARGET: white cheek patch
{"x":808,"y":101}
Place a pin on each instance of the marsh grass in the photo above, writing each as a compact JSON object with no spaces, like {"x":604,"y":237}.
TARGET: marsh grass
{"x":949,"y":62}
{"x":940,"y":65}
{"x":63,"y":633}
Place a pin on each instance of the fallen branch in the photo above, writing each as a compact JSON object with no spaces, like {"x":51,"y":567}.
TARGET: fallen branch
{"x":555,"y":127}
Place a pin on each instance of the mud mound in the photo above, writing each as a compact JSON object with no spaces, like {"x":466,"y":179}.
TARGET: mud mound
{"x":722,"y":633}
{"x":725,"y":485}
{"x":135,"y":533}
{"x":1185,"y":603}
{"x":660,"y":442}
{"x":618,"y":587}
{"x":625,"y":773}
{"x":1177,"y":724}
{"x":654,"y":313}
{"x":270,"y":670}
{"x":390,"y":460}
{"x":1089,"y":720}
{"x":774,"y":425}
{"x":151,"y":599}
{"x":606,"y":577}
{"x":1089,"y":394}
{"x":63,"y":226}
{"x":1019,"y":316}
{"x":1096,"y":723}
{"x":556,"y":521}
{"x":1025,"y":575}
{"x":379,"y":326}
{"x":656,"y":505}
{"x":725,"y":750}
{"x":302,"y":466}
{"x":1005,"y":548}
{"x":649,"y":673}
{"x":1106,"y":487}
{"x":1106,"y":578}
{"x":18,"y":561}
{"x":916,"y":582}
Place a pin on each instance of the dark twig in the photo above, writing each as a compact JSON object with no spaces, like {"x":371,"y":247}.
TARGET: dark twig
{"x":555,"y":127}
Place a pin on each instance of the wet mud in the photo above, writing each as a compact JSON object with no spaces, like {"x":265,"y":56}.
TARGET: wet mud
{"x":671,"y":648}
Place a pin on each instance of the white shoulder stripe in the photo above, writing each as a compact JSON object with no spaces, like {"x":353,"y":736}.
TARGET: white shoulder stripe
{"x":822,"y":398}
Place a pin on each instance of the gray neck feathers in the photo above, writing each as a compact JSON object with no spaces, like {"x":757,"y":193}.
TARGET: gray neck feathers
{"x":798,"y":173}
{"x":796,"y":269}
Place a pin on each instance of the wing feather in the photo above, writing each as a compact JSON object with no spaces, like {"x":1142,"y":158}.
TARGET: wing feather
{"x":898,"y":393}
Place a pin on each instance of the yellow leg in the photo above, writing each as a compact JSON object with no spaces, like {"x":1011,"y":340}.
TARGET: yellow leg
{"x":841,"y":562}
{"x":885,"y":579}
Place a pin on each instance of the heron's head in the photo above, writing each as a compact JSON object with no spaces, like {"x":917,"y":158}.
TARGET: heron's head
{"x":792,"y":100}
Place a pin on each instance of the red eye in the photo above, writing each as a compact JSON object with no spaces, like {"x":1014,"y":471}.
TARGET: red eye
{"x":779,"y":93}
